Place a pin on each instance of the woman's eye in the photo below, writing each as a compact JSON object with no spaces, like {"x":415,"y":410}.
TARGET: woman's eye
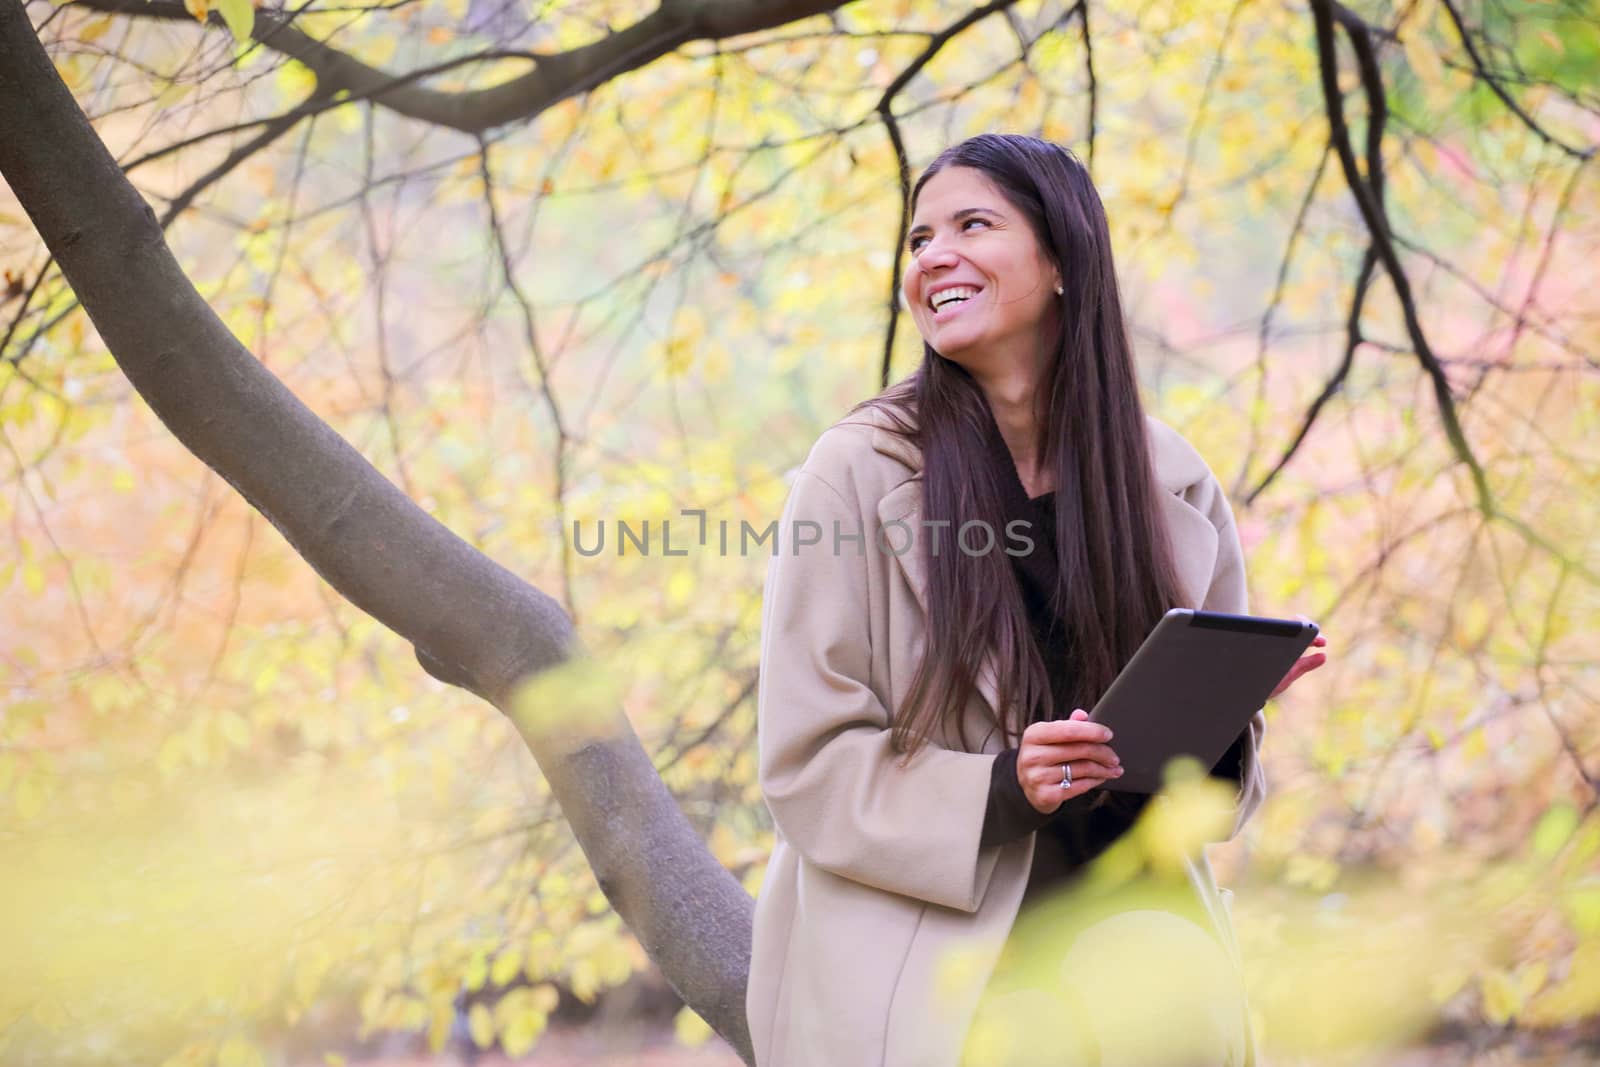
{"x":921,"y":239}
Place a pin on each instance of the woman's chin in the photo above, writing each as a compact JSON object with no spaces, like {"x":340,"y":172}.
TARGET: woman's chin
{"x":964,"y":350}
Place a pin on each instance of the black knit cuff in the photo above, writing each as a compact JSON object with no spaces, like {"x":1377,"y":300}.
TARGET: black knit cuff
{"x":1009,"y":815}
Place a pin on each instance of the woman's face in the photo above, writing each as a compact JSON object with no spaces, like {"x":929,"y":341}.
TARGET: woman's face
{"x":967,"y":240}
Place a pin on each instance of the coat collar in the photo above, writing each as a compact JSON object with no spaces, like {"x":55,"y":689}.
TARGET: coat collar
{"x":1177,"y":466}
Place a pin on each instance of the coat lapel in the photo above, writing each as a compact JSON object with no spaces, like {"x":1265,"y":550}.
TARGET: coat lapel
{"x":1194,"y":540}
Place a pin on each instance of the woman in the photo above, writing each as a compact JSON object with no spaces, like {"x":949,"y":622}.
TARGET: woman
{"x":920,"y":706}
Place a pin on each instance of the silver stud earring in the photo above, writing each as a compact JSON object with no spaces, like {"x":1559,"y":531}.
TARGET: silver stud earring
{"x":1059,"y":290}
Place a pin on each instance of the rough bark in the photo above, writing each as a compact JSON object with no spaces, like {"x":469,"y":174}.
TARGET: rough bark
{"x":472,"y":622}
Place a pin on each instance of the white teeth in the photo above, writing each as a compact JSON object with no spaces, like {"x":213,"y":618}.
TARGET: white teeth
{"x":945,"y":296}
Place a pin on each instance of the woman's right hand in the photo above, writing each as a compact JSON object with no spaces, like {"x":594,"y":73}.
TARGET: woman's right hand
{"x":1075,"y":741}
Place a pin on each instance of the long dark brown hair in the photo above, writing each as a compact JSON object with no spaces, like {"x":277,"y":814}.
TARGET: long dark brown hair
{"x":1116,"y":566}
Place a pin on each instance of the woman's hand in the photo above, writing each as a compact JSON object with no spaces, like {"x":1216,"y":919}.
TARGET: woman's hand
{"x":1074,"y":741}
{"x":1303,"y":665}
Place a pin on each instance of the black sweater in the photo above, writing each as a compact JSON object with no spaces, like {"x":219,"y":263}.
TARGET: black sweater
{"x":1081,"y":828}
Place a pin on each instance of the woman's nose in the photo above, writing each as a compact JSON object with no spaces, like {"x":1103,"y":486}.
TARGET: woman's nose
{"x":934,"y":254}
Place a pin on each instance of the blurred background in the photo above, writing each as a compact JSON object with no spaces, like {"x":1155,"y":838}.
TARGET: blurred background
{"x":239,"y":825}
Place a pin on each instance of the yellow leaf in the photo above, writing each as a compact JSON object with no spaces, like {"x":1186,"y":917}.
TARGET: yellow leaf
{"x":1531,"y":977}
{"x":441,"y":1015}
{"x":264,"y":678}
{"x":481,"y":1025}
{"x":173,"y":93}
{"x":95,"y":30}
{"x":1501,"y":997}
{"x":1582,"y":905}
{"x":296,"y":82}
{"x":476,"y":973}
{"x":1420,"y":52}
{"x":198,"y":8}
{"x":507,"y":965}
{"x":1574,"y":998}
{"x":691,"y":1030}
{"x":688,"y":333}
{"x":1555,"y":827}
{"x":1424,"y":61}
{"x":240,"y":17}
{"x":380,"y":51}
{"x":545,"y":998}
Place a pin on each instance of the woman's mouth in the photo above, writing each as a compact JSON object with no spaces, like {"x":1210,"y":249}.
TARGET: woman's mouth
{"x":948,"y":302}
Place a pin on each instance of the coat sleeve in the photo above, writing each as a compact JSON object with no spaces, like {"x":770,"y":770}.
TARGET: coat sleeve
{"x":1228,"y":593}
{"x":838,"y":792}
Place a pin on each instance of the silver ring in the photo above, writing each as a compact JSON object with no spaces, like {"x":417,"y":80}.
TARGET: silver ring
{"x":1066,"y":776}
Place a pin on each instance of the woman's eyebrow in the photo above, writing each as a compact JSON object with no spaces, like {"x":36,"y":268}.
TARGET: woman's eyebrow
{"x":955,"y":217}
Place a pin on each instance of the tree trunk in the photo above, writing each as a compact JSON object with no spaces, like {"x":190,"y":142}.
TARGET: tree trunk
{"x":473,"y":623}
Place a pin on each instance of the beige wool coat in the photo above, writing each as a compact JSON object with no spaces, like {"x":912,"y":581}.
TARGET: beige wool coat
{"x":876,"y":869}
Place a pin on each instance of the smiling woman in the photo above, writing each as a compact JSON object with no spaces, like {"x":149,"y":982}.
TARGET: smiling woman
{"x":980,"y":285}
{"x":923,"y":748}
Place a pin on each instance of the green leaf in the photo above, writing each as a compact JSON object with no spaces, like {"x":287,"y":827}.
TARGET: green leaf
{"x":240,"y":15}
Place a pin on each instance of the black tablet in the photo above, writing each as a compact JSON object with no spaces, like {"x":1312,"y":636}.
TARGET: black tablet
{"x":1192,"y":688}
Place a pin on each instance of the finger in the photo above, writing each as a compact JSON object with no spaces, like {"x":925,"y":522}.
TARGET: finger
{"x":1056,"y":755}
{"x":1301,"y":666}
{"x":1082,"y":771}
{"x":1050,"y":773}
{"x":1047,"y":796}
{"x":1081,"y":784}
{"x":1066,"y":731}
{"x":1306,"y":664}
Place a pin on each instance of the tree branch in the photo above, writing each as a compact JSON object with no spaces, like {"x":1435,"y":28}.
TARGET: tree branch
{"x":1369,"y":199}
{"x":1505,"y":97}
{"x":1082,"y":7}
{"x":472,"y":622}
{"x":1335,"y":382}
{"x":555,"y":77}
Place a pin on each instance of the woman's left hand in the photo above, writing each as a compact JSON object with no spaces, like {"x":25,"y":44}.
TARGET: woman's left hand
{"x":1303,"y":665}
